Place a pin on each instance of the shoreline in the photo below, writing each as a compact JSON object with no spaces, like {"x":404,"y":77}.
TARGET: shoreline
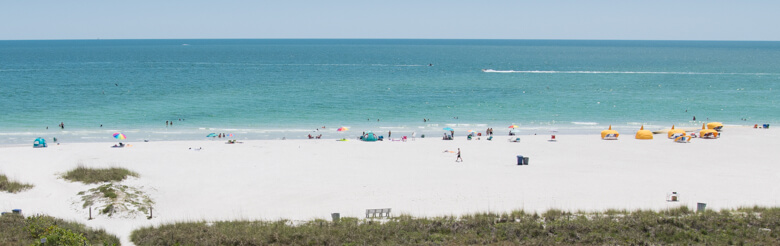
{"x":94,"y":135}
{"x":308,"y":179}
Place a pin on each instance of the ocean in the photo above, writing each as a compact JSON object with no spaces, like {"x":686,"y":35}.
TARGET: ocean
{"x":278,"y":88}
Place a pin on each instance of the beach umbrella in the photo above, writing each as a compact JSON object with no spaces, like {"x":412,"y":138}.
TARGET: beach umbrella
{"x":707,"y":133}
{"x":470,"y":131}
{"x":614,"y":134}
{"x":514,"y":126}
{"x":448,"y":129}
{"x":119,"y":136}
{"x":211,"y":135}
{"x":715,"y":125}
{"x":644,"y":134}
{"x":342,"y":129}
{"x":675,"y":131}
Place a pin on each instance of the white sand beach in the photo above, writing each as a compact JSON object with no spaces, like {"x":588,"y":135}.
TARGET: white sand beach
{"x":308,"y":179}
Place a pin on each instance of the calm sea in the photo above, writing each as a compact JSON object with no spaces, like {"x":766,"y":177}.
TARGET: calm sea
{"x":269,"y":89}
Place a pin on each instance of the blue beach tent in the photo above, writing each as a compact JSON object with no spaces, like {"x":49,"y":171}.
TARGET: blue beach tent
{"x":369,"y":137}
{"x":39,"y":143}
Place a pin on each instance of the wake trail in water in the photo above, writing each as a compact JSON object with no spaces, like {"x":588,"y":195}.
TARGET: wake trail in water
{"x":618,"y":72}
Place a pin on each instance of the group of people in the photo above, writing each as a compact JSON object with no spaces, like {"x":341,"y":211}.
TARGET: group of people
{"x":317,"y":137}
{"x":170,"y":122}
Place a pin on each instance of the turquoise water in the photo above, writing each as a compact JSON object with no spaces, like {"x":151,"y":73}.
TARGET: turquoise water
{"x":268,"y":89}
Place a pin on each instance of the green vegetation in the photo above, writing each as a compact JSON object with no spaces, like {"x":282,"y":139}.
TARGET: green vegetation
{"x":12,"y":186}
{"x":98,"y":175}
{"x":18,"y":230}
{"x":114,"y":198}
{"x":681,"y":226}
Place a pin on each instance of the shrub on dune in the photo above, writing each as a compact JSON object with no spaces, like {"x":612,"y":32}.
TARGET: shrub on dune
{"x":98,"y":175}
{"x":12,"y":186}
{"x":752,"y":226}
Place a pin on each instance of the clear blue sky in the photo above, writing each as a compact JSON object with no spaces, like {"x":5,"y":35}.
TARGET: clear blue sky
{"x":453,"y":19}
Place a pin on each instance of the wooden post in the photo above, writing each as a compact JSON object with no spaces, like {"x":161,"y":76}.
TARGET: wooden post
{"x":90,"y":213}
{"x":150,"y":212}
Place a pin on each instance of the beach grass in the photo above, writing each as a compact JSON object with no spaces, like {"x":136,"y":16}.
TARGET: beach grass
{"x":98,"y":175}
{"x":12,"y":186}
{"x":15,"y":229}
{"x":681,"y":226}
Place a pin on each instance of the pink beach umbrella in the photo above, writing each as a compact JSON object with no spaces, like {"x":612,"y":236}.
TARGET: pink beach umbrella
{"x":342,"y":129}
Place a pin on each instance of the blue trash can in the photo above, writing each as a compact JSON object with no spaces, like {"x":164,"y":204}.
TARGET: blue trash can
{"x":519,"y":160}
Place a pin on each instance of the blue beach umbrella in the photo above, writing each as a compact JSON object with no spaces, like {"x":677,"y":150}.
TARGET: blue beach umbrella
{"x":448,"y":129}
{"x":211,"y":135}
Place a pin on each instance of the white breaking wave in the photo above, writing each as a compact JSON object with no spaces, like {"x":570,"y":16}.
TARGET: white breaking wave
{"x":618,"y":72}
{"x":585,"y":123}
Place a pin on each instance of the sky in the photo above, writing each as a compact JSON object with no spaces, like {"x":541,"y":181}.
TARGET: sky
{"x":391,"y":19}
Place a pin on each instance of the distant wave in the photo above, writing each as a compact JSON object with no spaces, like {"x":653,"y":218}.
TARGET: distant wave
{"x":291,"y":64}
{"x":585,"y":123}
{"x":618,"y":72}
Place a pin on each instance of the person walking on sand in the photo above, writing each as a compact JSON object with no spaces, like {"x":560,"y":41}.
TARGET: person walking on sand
{"x":458,"y":159}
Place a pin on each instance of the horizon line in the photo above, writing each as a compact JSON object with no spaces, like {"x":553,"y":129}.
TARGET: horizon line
{"x":496,"y":39}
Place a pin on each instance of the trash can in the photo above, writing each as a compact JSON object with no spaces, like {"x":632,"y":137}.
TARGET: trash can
{"x":525,"y":160}
{"x":335,"y":216}
{"x":520,"y":160}
{"x":700,"y":207}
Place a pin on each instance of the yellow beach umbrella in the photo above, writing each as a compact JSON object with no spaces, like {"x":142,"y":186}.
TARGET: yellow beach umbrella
{"x":609,"y":131}
{"x":707,"y":133}
{"x":715,"y":126}
{"x":644,"y":134}
{"x":675,"y":131}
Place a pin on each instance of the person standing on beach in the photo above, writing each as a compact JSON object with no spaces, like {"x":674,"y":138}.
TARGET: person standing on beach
{"x":458,"y":159}
{"x":388,"y":134}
